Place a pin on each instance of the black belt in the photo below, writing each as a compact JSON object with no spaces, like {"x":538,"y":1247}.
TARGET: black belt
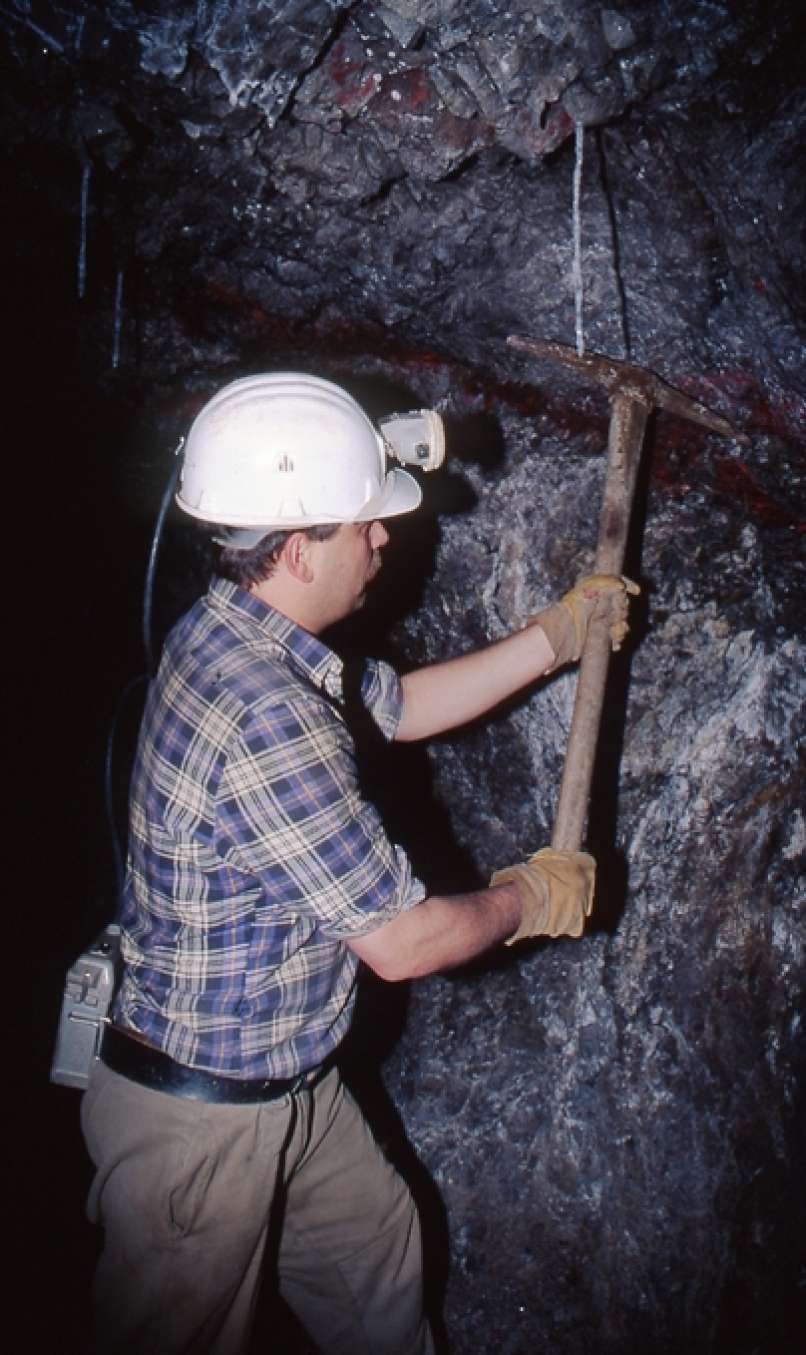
{"x":152,"y":1068}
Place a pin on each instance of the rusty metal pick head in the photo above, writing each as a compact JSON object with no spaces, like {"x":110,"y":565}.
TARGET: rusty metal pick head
{"x":625,"y":378}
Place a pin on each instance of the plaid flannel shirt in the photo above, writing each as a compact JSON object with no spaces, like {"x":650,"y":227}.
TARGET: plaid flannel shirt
{"x":253,"y":856}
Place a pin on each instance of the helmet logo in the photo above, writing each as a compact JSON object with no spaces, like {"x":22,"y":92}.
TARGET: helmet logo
{"x":284,"y":464}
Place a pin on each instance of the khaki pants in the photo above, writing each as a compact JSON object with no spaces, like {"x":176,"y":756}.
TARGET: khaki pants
{"x":189,"y":1193}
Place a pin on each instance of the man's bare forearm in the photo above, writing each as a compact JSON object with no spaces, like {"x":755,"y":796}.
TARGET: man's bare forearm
{"x":445,"y":695}
{"x":440,"y":933}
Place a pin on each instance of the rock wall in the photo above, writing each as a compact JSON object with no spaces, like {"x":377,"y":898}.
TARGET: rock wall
{"x":613,"y":1123}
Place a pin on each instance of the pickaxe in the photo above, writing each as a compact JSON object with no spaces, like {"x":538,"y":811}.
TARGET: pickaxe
{"x":634,"y":392}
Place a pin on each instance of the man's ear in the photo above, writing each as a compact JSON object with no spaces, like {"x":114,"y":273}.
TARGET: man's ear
{"x":296,"y":557}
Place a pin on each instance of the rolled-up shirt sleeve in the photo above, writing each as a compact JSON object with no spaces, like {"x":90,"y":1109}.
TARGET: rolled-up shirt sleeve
{"x":382,"y":694}
{"x":290,"y":813}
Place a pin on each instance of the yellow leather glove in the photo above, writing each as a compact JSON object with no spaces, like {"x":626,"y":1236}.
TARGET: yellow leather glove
{"x":565,"y":624}
{"x":557,"y":892}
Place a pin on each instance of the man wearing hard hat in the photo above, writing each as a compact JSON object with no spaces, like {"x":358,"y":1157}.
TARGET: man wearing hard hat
{"x":259,"y":877}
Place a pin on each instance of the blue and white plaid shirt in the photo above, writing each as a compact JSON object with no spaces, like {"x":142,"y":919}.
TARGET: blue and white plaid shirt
{"x":253,"y":855}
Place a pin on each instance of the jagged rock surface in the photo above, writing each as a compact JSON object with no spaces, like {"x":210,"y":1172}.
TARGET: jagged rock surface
{"x":597,"y":1116}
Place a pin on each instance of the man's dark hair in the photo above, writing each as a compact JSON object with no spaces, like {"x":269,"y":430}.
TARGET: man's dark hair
{"x":246,"y":567}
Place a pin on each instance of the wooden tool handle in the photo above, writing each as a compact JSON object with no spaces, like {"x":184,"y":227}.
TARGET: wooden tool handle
{"x":628,"y":419}
{"x":572,"y":807}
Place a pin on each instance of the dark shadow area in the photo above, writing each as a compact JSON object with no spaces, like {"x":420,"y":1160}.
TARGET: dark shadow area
{"x":475,"y":438}
{"x":380,"y":1019}
{"x":71,"y":656}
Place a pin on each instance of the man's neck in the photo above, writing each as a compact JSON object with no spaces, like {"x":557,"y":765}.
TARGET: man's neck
{"x":292,"y":600}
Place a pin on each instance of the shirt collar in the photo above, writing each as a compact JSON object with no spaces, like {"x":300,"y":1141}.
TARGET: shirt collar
{"x":305,"y":651}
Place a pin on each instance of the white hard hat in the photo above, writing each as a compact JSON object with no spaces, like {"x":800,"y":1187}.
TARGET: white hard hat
{"x":285,"y":450}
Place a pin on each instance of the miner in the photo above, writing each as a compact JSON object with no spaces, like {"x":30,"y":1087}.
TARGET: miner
{"x":259,"y":878}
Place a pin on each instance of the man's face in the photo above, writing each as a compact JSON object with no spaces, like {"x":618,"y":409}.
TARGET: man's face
{"x":345,"y":564}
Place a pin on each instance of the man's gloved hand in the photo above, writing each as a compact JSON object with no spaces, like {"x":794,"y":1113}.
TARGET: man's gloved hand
{"x":566,"y":622}
{"x":557,"y":892}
